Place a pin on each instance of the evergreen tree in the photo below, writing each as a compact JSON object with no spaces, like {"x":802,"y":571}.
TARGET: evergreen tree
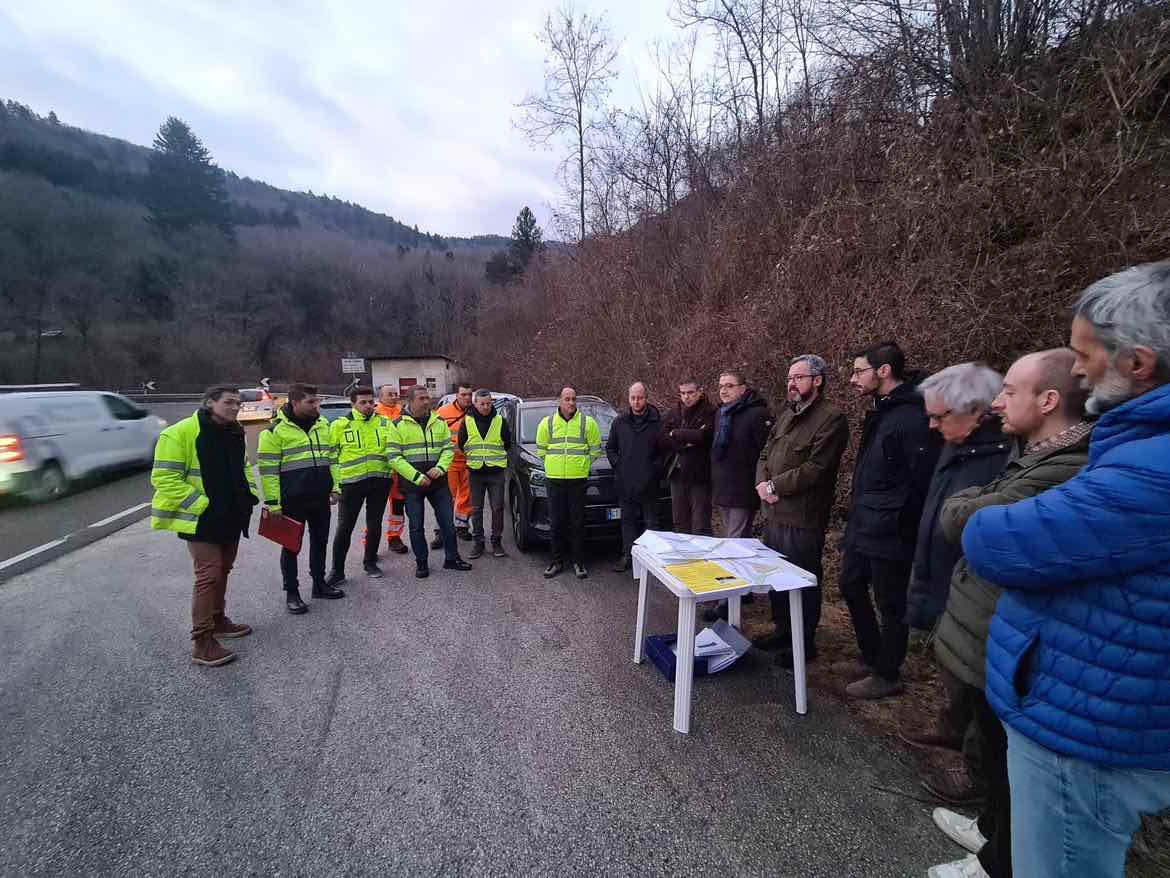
{"x":527,"y":240}
{"x":184,"y":187}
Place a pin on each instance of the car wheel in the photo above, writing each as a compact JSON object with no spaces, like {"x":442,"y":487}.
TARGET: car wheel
{"x":51,"y":484}
{"x":519,"y":518}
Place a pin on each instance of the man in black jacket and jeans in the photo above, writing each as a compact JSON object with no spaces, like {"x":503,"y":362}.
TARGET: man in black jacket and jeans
{"x":687,"y":431}
{"x":894,"y":464}
{"x":632,"y":449}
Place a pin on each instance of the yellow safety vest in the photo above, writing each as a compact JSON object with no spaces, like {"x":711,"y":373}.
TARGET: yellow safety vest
{"x":487,"y":450}
{"x":568,"y":448}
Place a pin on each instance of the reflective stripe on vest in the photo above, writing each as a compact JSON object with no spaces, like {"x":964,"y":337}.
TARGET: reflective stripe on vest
{"x":485,"y":451}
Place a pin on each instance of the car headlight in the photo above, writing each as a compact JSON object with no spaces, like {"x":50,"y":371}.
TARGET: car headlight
{"x":538,"y":477}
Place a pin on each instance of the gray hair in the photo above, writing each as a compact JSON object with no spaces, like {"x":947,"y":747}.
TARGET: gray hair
{"x":816,"y":365}
{"x":965,"y":387}
{"x":482,"y":393}
{"x":1131,"y":309}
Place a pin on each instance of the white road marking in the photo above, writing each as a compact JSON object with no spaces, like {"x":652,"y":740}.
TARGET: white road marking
{"x":18,"y":558}
{"x":121,"y":514}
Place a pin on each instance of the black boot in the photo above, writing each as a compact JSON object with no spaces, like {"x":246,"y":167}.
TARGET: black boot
{"x":397,"y":546}
{"x":476,"y":551}
{"x":372,"y":570}
{"x":463,"y":533}
{"x":422,"y":570}
{"x":498,"y":550}
{"x":324,"y":590}
{"x":335,"y":579}
{"x":623,"y":565}
{"x":292,"y":600}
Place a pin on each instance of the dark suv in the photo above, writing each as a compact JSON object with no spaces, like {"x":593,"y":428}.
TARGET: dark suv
{"x":528,"y":486}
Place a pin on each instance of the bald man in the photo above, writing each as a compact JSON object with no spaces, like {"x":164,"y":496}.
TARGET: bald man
{"x":633,"y":451}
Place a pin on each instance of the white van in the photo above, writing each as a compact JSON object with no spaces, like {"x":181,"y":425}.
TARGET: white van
{"x":48,"y":440}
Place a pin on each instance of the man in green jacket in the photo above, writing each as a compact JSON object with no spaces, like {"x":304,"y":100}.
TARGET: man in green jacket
{"x":203,"y":491}
{"x":363,"y":470}
{"x":421,"y":451}
{"x":298,"y":471}
{"x":1042,"y":405}
{"x":796,"y":479}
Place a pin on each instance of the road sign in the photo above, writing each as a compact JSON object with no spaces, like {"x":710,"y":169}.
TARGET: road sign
{"x":148,"y":386}
{"x":264,"y":383}
{"x":352,"y":365}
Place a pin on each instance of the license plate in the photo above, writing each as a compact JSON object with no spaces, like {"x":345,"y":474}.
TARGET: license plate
{"x":613,"y":514}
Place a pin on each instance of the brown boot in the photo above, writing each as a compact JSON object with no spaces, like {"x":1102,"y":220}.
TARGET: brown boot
{"x":954,"y":786}
{"x":207,"y":651}
{"x":225,"y":627}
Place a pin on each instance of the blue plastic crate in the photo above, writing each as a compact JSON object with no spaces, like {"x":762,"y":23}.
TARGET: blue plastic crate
{"x":658,"y":649}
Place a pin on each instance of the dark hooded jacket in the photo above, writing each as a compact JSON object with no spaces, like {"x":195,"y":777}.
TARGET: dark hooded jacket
{"x":979,"y":460}
{"x":733,"y":465}
{"x":891,"y":477}
{"x":633,"y":450}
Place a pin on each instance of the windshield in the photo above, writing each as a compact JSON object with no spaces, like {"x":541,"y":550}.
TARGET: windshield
{"x":251,"y":395}
{"x":531,"y":416}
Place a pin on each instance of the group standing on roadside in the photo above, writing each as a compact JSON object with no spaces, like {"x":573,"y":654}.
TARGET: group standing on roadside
{"x":1022,"y":521}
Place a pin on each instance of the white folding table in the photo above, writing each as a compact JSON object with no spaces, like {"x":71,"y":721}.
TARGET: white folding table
{"x":646,"y":563}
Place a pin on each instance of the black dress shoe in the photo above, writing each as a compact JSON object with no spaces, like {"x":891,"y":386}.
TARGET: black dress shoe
{"x":323,"y":590}
{"x":579,"y":571}
{"x":784,"y":655}
{"x":396,"y":545}
{"x":773,"y":642}
{"x":553,"y":569}
{"x":294,"y":603}
{"x":422,"y":571}
{"x":437,"y":541}
{"x":464,"y":533}
{"x":334,"y":579}
{"x":716,"y":613}
{"x":457,"y":564}
{"x":372,"y":570}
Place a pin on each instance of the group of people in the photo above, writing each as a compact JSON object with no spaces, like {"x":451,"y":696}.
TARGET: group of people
{"x":380,"y":453}
{"x":1021,"y":520}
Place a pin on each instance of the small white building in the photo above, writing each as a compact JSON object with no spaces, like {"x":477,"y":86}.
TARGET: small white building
{"x":437,"y":372}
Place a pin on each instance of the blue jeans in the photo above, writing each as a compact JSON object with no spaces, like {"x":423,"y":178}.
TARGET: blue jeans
{"x":439,"y":496}
{"x":1072,"y":818}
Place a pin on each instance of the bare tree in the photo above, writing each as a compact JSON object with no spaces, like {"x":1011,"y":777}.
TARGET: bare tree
{"x":578,"y":69}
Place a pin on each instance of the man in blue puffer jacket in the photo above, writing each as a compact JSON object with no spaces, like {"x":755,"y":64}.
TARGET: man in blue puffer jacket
{"x":1078,"y":657}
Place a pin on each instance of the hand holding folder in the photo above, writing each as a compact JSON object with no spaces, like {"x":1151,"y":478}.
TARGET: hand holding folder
{"x":287,"y":532}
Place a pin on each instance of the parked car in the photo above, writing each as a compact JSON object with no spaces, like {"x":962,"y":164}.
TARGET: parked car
{"x":334,"y":407}
{"x":256,"y":404}
{"x":49,"y":440}
{"x":528,"y":485}
{"x":498,"y":399}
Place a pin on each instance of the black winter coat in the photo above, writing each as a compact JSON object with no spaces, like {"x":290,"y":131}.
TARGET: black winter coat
{"x":686,"y":442}
{"x":895,"y":461}
{"x":733,"y":475}
{"x":633,"y":451}
{"x":221,"y":454}
{"x":976,"y":462}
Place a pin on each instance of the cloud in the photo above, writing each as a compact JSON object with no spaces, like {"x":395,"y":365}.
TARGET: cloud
{"x":404,"y":108}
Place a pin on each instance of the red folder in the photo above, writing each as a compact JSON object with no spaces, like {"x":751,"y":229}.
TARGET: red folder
{"x":286,"y":531}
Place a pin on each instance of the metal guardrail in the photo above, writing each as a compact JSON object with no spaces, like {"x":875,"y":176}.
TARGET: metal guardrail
{"x":161,"y":397}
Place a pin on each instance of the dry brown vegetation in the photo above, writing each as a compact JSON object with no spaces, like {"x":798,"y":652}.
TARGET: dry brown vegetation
{"x":950,"y":183}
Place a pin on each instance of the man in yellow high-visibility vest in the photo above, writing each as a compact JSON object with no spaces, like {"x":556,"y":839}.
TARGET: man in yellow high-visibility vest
{"x":484,"y":439}
{"x":568,"y":441}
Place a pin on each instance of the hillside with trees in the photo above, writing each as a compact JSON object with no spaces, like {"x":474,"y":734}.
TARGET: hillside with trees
{"x":118,"y":263}
{"x":950,"y":176}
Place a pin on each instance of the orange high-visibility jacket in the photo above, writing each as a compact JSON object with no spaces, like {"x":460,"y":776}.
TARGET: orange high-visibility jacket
{"x":454,"y":415}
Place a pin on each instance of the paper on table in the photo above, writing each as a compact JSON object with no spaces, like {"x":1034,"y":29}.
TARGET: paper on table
{"x":704,"y":576}
{"x":668,"y":546}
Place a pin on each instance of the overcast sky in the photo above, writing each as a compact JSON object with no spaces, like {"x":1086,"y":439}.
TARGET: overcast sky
{"x":404,"y":107}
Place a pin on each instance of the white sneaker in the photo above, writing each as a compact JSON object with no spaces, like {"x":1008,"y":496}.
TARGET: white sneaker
{"x":968,"y":867}
{"x":959,"y":829}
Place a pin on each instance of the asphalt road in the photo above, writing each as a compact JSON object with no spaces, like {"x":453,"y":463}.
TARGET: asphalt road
{"x":24,"y":526}
{"x":487,"y":723}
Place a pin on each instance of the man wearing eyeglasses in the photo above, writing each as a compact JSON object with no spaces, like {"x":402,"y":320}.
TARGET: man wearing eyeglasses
{"x":891,"y":477}
{"x":796,"y":479}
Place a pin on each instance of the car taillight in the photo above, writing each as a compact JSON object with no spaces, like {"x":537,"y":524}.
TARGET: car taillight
{"x":10,"y":449}
{"x":266,"y":395}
